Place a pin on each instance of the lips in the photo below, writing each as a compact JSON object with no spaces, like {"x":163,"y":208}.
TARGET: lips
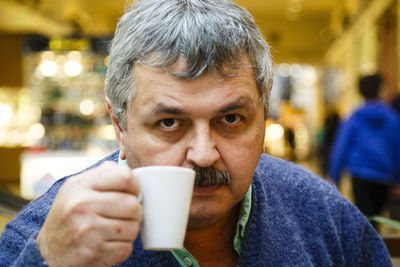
{"x":205,"y":190}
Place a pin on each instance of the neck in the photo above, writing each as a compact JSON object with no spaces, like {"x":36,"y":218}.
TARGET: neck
{"x":213,"y":246}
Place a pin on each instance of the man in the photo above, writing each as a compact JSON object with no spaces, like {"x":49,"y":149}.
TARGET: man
{"x":188,"y":85}
{"x":368,"y":145}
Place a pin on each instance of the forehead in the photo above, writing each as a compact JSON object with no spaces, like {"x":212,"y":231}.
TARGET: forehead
{"x":150,"y":82}
{"x":203,"y":96}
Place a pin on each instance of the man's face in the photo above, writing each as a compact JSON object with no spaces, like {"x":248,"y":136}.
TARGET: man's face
{"x":208,"y":122}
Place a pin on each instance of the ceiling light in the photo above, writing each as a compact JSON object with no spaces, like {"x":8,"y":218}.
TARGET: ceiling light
{"x":274,"y":131}
{"x":73,"y":68}
{"x":75,"y":55}
{"x":37,"y":131}
{"x":86,"y":107}
{"x":48,"y":68}
{"x":5,"y":114}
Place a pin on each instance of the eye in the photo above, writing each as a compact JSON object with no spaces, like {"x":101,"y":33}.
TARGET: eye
{"x":231,"y":119}
{"x":169,"y":123}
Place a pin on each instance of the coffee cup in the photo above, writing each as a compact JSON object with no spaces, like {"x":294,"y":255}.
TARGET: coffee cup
{"x":166,"y":193}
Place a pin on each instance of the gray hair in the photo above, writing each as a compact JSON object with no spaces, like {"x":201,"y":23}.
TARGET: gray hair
{"x":208,"y":34}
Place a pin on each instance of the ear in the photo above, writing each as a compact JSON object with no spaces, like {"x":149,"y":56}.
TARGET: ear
{"x":119,"y":133}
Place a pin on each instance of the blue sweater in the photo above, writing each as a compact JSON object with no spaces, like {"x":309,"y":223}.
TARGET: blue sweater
{"x":368,"y":144}
{"x":296,"y":219}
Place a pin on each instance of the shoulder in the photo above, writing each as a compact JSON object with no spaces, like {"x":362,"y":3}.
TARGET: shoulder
{"x":394,"y":115}
{"x":289,"y":186}
{"x":286,"y":175}
{"x":391,"y":116}
{"x":311,"y":215}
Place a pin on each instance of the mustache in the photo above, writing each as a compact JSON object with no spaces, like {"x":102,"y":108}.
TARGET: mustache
{"x":210,"y":176}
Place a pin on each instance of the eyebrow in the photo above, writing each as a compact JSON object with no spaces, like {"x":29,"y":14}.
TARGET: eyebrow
{"x":241,"y":103}
{"x":163,"y":109}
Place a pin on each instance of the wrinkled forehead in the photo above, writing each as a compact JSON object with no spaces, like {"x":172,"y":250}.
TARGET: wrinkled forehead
{"x":182,"y":67}
{"x":152,"y":83}
{"x":158,"y":92}
{"x":155,"y":87}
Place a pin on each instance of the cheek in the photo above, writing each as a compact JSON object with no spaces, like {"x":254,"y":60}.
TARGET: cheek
{"x":246,"y":150}
{"x":241,"y":158}
{"x":145,"y":150}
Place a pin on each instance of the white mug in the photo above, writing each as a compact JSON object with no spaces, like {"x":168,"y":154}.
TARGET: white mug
{"x":166,"y":193}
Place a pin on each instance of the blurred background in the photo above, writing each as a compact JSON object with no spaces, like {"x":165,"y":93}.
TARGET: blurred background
{"x":53,"y":59}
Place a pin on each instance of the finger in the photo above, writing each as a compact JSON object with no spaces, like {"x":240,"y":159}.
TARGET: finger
{"x":115,"y":229}
{"x":117,"y":205}
{"x":116,"y":252}
{"x":122,"y":230}
{"x":112,"y":177}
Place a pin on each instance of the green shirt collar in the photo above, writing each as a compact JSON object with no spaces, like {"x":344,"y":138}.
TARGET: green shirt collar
{"x":187,"y":260}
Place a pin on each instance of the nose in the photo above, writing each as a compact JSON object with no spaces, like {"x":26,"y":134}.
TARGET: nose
{"x":202,"y":150}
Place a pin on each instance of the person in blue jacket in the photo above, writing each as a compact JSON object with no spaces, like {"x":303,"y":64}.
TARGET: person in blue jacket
{"x":188,"y":85}
{"x":367,"y":144}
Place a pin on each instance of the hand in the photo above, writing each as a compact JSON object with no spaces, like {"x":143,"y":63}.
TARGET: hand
{"x":93,"y":220}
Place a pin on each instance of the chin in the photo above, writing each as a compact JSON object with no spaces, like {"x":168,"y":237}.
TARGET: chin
{"x":201,"y":222}
{"x":204,"y":215}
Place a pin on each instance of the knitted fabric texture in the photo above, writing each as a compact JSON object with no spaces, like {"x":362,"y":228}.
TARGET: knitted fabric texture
{"x":296,"y":219}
